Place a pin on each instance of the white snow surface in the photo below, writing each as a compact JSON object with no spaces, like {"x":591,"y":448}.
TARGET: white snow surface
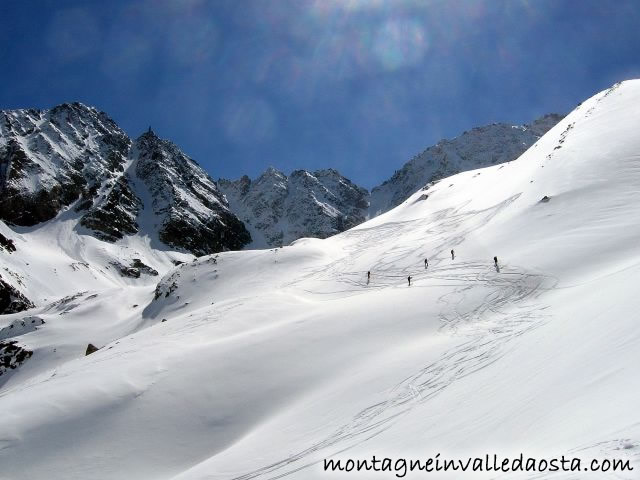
{"x":270,"y":361}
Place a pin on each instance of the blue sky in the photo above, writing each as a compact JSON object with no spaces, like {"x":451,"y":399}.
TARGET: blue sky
{"x":357,"y":85}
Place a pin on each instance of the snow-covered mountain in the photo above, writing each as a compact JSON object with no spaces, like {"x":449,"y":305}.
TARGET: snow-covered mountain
{"x":73,"y":154}
{"x":192,"y":210}
{"x":82,"y":197}
{"x":278,"y":209}
{"x":261,"y":364}
{"x":478,"y":147}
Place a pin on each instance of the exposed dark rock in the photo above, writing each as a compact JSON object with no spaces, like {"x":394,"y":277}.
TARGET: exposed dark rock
{"x":225,"y":232}
{"x":20,"y":327}
{"x":478,"y":147}
{"x":115,"y":217}
{"x":135,"y":269}
{"x":12,"y":355}
{"x":311,"y":204}
{"x":51,"y":159}
{"x":63,"y":173}
{"x":91,"y":349}
{"x":167,"y":285}
{"x":143,"y":267}
{"x":545,"y":199}
{"x":11,"y":300}
{"x":7,"y":244}
{"x":126,"y":271}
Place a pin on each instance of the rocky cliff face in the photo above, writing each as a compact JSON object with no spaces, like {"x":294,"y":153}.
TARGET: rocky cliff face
{"x":278,"y":209}
{"x":185,"y":200}
{"x":50,"y":159}
{"x":11,"y":299}
{"x":479,"y":147}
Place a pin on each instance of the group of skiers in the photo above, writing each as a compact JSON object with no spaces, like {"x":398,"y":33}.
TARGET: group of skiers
{"x":426,"y":266}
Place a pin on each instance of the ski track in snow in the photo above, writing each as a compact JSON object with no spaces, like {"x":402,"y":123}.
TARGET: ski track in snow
{"x":385,"y":272}
{"x":510,"y":300}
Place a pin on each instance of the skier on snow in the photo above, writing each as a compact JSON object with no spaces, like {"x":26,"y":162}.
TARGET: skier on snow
{"x":453,"y":255}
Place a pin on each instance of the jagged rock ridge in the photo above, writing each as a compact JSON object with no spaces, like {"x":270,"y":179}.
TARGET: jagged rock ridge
{"x":50,"y":158}
{"x":476,"y":148}
{"x":278,"y":209}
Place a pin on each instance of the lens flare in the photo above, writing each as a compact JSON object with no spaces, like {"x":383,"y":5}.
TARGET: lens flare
{"x":400,"y":43}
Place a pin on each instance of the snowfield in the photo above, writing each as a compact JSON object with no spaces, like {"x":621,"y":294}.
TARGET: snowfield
{"x":260,"y":364}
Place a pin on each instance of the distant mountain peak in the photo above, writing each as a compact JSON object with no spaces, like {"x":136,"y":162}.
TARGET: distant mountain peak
{"x":278,"y":209}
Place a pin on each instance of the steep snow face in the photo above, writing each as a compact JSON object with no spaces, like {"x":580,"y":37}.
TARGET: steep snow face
{"x":295,"y":354}
{"x":278,"y":209}
{"x":479,"y":147}
{"x":75,"y":154}
{"x":191,"y":212}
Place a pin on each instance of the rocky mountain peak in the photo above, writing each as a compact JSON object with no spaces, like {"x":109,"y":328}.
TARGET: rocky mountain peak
{"x":278,"y":209}
{"x":194,"y":213}
{"x":479,"y":147}
{"x":50,"y":159}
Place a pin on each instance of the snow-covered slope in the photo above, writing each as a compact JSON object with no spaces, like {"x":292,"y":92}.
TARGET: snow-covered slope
{"x":278,"y":209}
{"x":478,"y":147}
{"x":260,"y":364}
